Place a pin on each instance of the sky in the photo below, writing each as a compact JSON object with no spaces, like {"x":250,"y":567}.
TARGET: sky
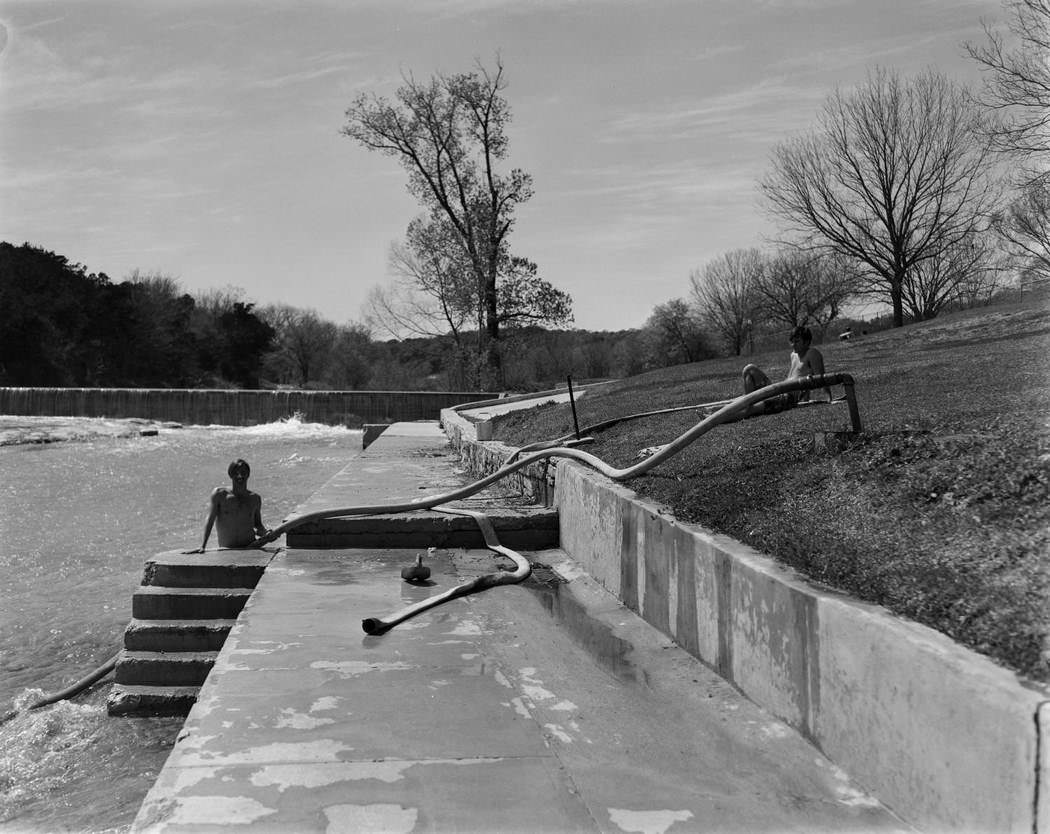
{"x":202,"y":140}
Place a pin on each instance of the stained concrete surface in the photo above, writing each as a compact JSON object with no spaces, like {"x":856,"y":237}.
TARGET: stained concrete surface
{"x":540,"y":707}
{"x":500,"y":712}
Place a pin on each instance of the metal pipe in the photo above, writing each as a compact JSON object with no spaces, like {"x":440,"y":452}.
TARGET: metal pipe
{"x":572,"y":402}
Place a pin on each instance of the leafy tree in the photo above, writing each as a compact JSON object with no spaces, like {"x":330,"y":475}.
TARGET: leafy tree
{"x":57,"y":328}
{"x":726,"y":296}
{"x":245,"y":339}
{"x":303,"y":343}
{"x":350,"y":366}
{"x":1017,"y":84}
{"x":677,"y":333}
{"x":160,"y":348}
{"x":449,"y":134}
{"x":895,"y":174}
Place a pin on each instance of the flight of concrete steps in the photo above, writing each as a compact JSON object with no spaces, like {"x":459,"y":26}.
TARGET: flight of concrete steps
{"x":182,"y":613}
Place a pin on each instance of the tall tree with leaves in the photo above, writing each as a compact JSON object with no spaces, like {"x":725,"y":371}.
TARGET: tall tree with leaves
{"x":677,"y":334}
{"x":896,"y":173}
{"x":450,"y":135}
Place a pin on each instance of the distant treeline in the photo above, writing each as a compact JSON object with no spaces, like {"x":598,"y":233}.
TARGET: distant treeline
{"x":65,"y":326}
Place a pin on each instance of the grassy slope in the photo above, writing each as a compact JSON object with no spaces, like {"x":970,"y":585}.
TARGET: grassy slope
{"x":940,"y":512}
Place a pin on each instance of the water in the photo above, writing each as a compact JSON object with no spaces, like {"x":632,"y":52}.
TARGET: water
{"x":77,"y":522}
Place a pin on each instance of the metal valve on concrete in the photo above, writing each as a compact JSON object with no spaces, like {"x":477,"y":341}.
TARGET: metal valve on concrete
{"x":416,"y":573}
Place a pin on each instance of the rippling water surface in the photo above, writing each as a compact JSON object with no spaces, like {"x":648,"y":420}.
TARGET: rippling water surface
{"x":77,"y":522}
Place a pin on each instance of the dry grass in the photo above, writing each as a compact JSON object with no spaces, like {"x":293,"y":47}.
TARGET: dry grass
{"x":941,"y":509}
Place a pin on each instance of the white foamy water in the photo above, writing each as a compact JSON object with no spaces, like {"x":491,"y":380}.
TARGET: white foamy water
{"x":77,"y":522}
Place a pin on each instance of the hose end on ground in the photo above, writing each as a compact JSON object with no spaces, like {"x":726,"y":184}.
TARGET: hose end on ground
{"x":373,"y":625}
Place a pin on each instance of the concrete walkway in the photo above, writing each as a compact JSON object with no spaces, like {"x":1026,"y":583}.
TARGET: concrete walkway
{"x":545,"y":706}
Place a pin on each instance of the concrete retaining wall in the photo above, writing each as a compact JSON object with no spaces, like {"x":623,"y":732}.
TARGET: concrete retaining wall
{"x":940,"y":734}
{"x":234,"y":407}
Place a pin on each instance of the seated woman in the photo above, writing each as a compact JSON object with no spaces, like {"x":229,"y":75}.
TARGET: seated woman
{"x":805,"y":361}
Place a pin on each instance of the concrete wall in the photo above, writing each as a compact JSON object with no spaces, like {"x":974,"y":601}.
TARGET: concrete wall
{"x":943,"y":736}
{"x":233,"y":407}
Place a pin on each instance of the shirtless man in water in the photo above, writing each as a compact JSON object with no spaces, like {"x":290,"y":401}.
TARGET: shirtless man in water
{"x":236,"y":511}
{"x":805,"y":361}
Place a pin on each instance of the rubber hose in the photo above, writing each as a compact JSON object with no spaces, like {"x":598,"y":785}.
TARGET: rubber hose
{"x":71,"y":690}
{"x":728,"y":413}
{"x":380,"y":625}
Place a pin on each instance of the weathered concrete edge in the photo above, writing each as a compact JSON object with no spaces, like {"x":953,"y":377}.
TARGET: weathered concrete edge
{"x":942,"y":735}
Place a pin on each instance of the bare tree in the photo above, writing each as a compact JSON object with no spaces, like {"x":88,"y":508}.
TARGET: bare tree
{"x":800,"y":287}
{"x":1025,"y":224}
{"x":896,"y":173}
{"x":724,"y":292}
{"x":450,"y":136}
{"x":958,"y":274}
{"x":1017,"y":84}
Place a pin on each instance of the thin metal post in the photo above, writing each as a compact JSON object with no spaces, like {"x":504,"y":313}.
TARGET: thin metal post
{"x":572,"y":402}
{"x":851,"y":401}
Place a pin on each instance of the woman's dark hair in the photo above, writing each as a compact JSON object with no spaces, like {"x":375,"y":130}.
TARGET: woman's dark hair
{"x":239,"y":464}
{"x":802,"y":332}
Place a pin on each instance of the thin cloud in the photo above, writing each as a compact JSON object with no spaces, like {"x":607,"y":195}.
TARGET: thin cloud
{"x":751,"y":112}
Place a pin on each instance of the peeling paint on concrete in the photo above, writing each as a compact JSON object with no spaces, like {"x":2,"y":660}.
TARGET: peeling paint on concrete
{"x":647,"y":822}
{"x":353,"y":668}
{"x":206,"y":810}
{"x":569,"y":571}
{"x":558,"y":732}
{"x":284,"y":776}
{"x":564,"y":706}
{"x":519,"y":707}
{"x":188,"y":777}
{"x":533,"y":687}
{"x":501,"y":679}
{"x":300,"y":720}
{"x":326,"y":702}
{"x":466,"y":628}
{"x":378,"y":819}
{"x":845,"y":792}
{"x":322,"y":750}
{"x":775,"y":729}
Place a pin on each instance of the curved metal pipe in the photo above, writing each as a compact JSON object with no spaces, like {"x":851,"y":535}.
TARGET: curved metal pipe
{"x":380,"y":625}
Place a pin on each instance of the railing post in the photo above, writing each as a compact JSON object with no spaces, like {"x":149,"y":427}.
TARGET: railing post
{"x":851,"y":402}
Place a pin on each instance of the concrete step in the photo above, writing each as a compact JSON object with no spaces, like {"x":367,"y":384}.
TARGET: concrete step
{"x":156,"y":602}
{"x":519,"y":528}
{"x":164,"y":668}
{"x":176,"y":635}
{"x":211,"y":569}
{"x":128,"y":700}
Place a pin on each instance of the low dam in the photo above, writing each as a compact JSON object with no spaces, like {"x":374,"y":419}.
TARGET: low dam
{"x":234,"y":407}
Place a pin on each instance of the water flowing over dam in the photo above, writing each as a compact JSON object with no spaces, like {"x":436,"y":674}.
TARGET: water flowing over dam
{"x":234,"y":407}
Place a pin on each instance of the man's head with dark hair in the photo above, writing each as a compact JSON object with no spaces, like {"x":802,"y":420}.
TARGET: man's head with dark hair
{"x":801,"y":334}
{"x":237,"y":465}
